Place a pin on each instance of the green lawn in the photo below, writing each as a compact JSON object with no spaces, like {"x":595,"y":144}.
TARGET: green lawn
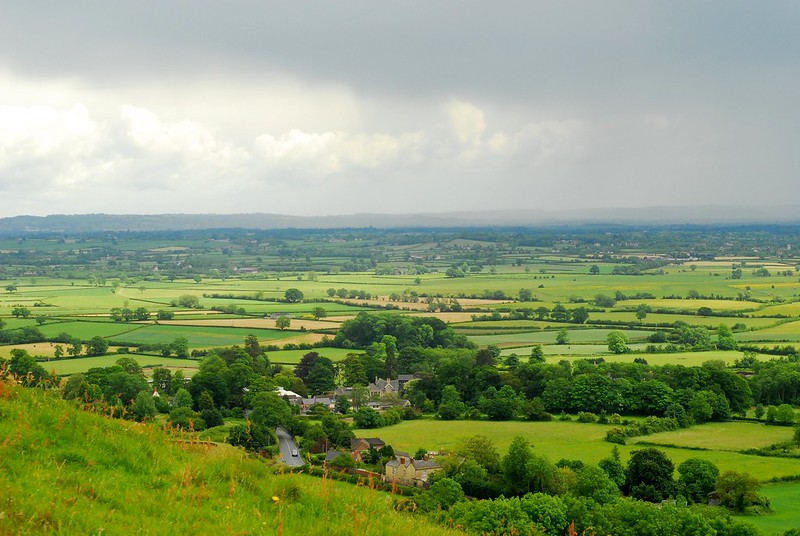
{"x":785,"y":499}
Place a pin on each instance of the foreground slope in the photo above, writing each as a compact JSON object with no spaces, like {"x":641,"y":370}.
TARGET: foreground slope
{"x":68,"y":471}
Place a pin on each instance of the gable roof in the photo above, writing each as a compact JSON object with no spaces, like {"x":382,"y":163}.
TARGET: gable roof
{"x":333,"y":454}
{"x":425,"y":464}
{"x":373,"y":442}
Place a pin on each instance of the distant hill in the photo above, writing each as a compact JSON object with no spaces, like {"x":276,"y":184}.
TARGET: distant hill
{"x":710,"y":214}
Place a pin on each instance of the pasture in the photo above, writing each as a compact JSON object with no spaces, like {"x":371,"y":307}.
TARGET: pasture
{"x":783,"y":497}
{"x":576,"y":336}
{"x":202,"y":336}
{"x":82,"y":364}
{"x":255,"y":323}
{"x":293,"y":357}
{"x":734,"y":436}
{"x":687,"y":359}
{"x":571,"y":440}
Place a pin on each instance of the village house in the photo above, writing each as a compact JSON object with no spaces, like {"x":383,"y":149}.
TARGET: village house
{"x":381,"y":387}
{"x":306,"y":403}
{"x":361,"y":444}
{"x":407,"y":471}
{"x":331,"y":455}
{"x":284,"y":393}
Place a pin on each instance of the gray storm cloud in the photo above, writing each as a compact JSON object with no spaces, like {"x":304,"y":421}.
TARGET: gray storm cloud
{"x":333,"y":107}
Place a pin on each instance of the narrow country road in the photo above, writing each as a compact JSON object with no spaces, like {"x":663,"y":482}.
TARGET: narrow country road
{"x":288,"y":447}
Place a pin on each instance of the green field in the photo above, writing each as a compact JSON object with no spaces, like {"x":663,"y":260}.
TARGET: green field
{"x":571,"y":440}
{"x":85,"y":330}
{"x":577,"y":336}
{"x":785,"y":309}
{"x":689,"y":359}
{"x":557,"y":352}
{"x":734,"y":435}
{"x":784,"y":499}
{"x":83,"y":364}
{"x":695,"y":320}
{"x":553,"y":439}
{"x":292,"y":357}
{"x":199,"y":336}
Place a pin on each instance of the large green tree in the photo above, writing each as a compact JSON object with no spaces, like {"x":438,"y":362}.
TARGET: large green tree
{"x":451,"y":407}
{"x":697,"y":479}
{"x":739,"y":492}
{"x":96,"y":346}
{"x":269,"y":411}
{"x":321,"y":376}
{"x":515,"y":466}
{"x":649,"y":475}
{"x":293,"y":295}
{"x":617,"y":342}
{"x":367,"y":418}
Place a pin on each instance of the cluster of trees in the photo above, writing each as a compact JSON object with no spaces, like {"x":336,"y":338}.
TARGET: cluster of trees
{"x":467,"y":384}
{"x":687,"y":337}
{"x":187,"y":301}
{"x":230,"y":382}
{"x":125,"y":314}
{"x":559,"y":313}
{"x":352,"y":294}
{"x":409,"y":332}
{"x":23,"y":335}
{"x":523,"y":492}
{"x":25,"y":367}
{"x":776,"y":381}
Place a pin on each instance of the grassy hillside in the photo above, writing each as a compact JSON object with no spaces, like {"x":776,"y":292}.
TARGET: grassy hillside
{"x":67,"y":471}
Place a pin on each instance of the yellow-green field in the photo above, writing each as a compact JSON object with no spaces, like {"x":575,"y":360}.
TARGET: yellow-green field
{"x":570,"y":440}
{"x":735,"y":435}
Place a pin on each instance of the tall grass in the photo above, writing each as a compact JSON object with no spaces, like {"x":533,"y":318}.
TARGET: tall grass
{"x":64,"y":470}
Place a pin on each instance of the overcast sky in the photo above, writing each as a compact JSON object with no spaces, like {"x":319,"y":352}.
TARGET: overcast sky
{"x":314,"y":108}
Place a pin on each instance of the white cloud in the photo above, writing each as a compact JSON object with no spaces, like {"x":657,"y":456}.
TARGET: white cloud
{"x":467,"y":120}
{"x":40,"y":130}
{"x":326,"y":153}
{"x":41,"y":145}
{"x":148,"y":132}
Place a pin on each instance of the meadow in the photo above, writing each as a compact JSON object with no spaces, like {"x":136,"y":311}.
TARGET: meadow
{"x":556,"y":440}
{"x":783,"y":497}
{"x":81,"y":364}
{"x":733,"y":435}
{"x":198,"y":336}
{"x":577,"y":336}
